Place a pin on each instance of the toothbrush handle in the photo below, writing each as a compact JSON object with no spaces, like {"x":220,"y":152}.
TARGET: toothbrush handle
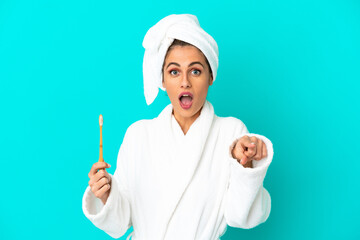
{"x":101,"y":159}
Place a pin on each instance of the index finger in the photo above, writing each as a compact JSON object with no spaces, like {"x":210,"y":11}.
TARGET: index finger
{"x":96,"y":166}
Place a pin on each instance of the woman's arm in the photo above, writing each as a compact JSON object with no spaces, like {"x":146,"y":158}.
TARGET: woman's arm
{"x":247,"y":202}
{"x":113,"y":217}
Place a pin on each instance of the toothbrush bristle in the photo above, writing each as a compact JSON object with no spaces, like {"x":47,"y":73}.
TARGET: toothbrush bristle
{"x":101,"y":120}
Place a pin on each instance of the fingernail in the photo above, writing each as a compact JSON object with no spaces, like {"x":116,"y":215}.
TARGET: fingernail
{"x":109,"y":165}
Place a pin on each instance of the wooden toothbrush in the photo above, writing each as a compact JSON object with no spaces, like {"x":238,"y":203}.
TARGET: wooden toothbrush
{"x":101,"y":122}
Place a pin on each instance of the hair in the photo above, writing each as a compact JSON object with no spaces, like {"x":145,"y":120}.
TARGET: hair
{"x":178,"y":42}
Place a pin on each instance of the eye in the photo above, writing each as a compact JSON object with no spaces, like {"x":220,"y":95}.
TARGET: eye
{"x":196,"y":71}
{"x":173,"y":71}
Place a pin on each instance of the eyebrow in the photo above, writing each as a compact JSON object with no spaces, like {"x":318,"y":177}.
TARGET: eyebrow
{"x":188,"y":66}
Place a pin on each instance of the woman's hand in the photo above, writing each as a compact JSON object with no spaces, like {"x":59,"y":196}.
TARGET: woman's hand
{"x":100,"y":181}
{"x":248,"y":149}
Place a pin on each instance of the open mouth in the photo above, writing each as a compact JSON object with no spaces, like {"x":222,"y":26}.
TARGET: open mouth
{"x":186,"y":100}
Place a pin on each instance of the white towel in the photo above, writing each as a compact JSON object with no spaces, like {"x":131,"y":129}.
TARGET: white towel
{"x":184,"y":27}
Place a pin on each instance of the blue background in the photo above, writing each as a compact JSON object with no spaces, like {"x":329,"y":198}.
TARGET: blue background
{"x":288,"y":69}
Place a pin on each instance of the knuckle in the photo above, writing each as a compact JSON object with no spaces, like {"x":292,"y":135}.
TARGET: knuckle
{"x":105,"y":180}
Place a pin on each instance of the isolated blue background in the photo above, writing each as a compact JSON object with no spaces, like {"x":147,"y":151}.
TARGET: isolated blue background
{"x":288,"y":69}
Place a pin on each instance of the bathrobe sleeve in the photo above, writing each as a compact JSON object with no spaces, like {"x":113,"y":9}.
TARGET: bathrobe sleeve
{"x":115,"y":216}
{"x":247,"y":202}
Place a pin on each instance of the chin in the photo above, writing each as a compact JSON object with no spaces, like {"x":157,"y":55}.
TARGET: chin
{"x":187,"y":113}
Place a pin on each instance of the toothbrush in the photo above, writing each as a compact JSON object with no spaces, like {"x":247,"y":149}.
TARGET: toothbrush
{"x":101,"y":121}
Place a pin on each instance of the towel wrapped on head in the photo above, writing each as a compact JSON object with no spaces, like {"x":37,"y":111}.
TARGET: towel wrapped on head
{"x":184,"y":27}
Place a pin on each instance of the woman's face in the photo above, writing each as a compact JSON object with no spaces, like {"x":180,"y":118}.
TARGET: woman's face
{"x":186,"y":70}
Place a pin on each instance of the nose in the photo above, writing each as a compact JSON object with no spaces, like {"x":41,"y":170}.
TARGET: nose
{"x":185,"y":83}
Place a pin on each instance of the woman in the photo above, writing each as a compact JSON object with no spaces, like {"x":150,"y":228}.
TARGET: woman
{"x":187,"y":173}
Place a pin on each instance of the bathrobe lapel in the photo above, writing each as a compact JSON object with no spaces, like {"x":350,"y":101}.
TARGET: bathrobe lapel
{"x":180,"y":159}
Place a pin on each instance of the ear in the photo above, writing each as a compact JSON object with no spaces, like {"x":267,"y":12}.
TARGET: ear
{"x":211,"y":79}
{"x":163,"y":84}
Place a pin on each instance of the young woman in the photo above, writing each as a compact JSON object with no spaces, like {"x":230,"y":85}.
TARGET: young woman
{"x":187,"y":173}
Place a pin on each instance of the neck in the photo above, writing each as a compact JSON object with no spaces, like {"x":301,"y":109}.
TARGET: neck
{"x":186,"y":122}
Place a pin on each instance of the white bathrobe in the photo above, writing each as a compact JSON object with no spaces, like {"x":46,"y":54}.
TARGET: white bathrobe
{"x":168,"y":185}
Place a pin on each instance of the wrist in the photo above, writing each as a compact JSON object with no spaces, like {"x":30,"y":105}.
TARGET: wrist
{"x":248,"y":164}
{"x":104,"y":199}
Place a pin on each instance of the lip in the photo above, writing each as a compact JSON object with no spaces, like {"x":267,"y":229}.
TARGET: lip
{"x":187,"y":93}
{"x":181,"y":104}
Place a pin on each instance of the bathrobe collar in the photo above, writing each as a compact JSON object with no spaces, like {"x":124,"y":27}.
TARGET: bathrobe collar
{"x":182,"y":154}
